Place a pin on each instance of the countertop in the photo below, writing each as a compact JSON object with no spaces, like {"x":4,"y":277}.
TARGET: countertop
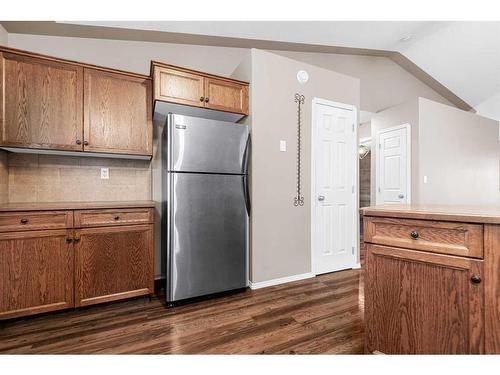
{"x":49,"y":206}
{"x":468,"y":214}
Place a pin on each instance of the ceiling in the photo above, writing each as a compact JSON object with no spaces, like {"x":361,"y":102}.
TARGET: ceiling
{"x":463,"y":56}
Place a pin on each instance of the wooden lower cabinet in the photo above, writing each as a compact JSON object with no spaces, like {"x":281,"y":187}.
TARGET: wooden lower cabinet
{"x":36,"y":272}
{"x":423,"y":303}
{"x":113,"y":263}
{"x":43,"y":268}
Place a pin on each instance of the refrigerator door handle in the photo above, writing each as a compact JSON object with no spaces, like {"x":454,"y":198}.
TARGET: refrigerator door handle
{"x":246,"y":156}
{"x":246,"y":193}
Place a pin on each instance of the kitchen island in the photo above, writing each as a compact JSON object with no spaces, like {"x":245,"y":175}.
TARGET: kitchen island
{"x":432,"y":279}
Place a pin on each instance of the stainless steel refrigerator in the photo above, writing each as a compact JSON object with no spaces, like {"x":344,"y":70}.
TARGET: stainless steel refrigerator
{"x":205,"y":206}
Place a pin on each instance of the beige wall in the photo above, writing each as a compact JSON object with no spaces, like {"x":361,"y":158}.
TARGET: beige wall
{"x":364,"y":130}
{"x":43,"y":178}
{"x":383,"y":82}
{"x":281,"y":233}
{"x":405,"y":113}
{"x":4,"y":177}
{"x":458,"y":151}
{"x":3,"y":36}
{"x":130,"y":55}
{"x":460,"y":154}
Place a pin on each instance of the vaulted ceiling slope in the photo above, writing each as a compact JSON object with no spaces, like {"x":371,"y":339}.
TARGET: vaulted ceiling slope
{"x":461,"y":57}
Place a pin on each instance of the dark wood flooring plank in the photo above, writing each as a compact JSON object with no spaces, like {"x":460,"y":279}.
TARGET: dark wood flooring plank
{"x":318,"y":315}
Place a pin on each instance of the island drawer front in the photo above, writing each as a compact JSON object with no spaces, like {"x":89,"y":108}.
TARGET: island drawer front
{"x":35,"y":220}
{"x":460,"y":239}
{"x":109,"y":217}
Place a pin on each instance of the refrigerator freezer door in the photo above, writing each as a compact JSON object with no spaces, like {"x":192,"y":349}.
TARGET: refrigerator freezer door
{"x":208,"y":235}
{"x":206,"y":146}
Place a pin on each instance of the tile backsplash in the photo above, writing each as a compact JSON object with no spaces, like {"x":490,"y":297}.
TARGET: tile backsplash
{"x":48,"y":178}
{"x":4,"y":177}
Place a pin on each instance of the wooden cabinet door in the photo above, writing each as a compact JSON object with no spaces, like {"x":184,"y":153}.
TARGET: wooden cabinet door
{"x":422,"y":303}
{"x":41,"y":103}
{"x":177,"y":86}
{"x":117,"y":113}
{"x":226,"y":95}
{"x":113,"y":263}
{"x":36,"y":272}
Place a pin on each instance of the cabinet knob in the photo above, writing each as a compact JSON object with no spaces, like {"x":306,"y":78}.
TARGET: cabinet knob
{"x":78,"y":142}
{"x":24,"y":221}
{"x":69,"y":240}
{"x":85,"y":143}
{"x":117,"y":217}
{"x":414,"y":234}
{"x":475,"y":279}
{"x":202,"y":98}
{"x":206,"y":99}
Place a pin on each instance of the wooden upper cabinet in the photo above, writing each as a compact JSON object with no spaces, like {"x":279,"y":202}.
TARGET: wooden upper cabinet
{"x":198,"y":89}
{"x":117,"y":113}
{"x":179,"y":87}
{"x":41,"y":103}
{"x":226,"y":95}
{"x":423,"y":303}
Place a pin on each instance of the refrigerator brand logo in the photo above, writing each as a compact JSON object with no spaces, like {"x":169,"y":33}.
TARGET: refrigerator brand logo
{"x":180,"y":126}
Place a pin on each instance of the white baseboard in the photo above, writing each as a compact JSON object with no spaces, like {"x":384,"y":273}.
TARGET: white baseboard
{"x":356,"y":266}
{"x":281,"y":280}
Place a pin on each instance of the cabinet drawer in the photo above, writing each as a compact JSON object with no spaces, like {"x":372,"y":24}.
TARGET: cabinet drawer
{"x":35,"y":220}
{"x":99,"y":218}
{"x":435,"y":236}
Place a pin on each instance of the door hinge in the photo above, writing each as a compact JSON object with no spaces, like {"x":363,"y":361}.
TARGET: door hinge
{"x":353,"y":127}
{"x":352,"y":189}
{"x":379,"y":189}
{"x":380,"y":145}
{"x":352,"y":250}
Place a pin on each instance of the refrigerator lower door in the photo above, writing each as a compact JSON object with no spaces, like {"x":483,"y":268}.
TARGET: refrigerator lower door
{"x":208,"y":224}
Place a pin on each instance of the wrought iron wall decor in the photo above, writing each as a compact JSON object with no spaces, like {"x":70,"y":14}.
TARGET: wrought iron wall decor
{"x":299,"y":199}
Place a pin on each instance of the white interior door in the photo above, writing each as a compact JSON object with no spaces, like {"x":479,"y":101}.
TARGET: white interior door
{"x":334,"y":207}
{"x":393,"y":165}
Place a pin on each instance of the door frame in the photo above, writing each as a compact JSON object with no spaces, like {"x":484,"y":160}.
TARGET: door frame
{"x":406,"y":126}
{"x":355,"y":195}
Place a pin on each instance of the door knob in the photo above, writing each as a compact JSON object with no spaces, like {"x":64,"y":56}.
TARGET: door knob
{"x":321,"y":198}
{"x":476,"y":279}
{"x":401,"y":196}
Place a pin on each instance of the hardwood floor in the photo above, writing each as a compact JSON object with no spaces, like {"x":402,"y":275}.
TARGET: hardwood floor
{"x":318,"y":315}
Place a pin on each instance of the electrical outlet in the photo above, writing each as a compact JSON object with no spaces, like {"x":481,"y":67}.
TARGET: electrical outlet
{"x":104,"y":173}
{"x":282,"y":146}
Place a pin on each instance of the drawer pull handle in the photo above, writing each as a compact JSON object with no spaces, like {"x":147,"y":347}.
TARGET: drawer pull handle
{"x":69,"y":240}
{"x":414,"y":234}
{"x":475,"y":279}
{"x":117,"y":217}
{"x":77,"y":239}
{"x":24,"y":221}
